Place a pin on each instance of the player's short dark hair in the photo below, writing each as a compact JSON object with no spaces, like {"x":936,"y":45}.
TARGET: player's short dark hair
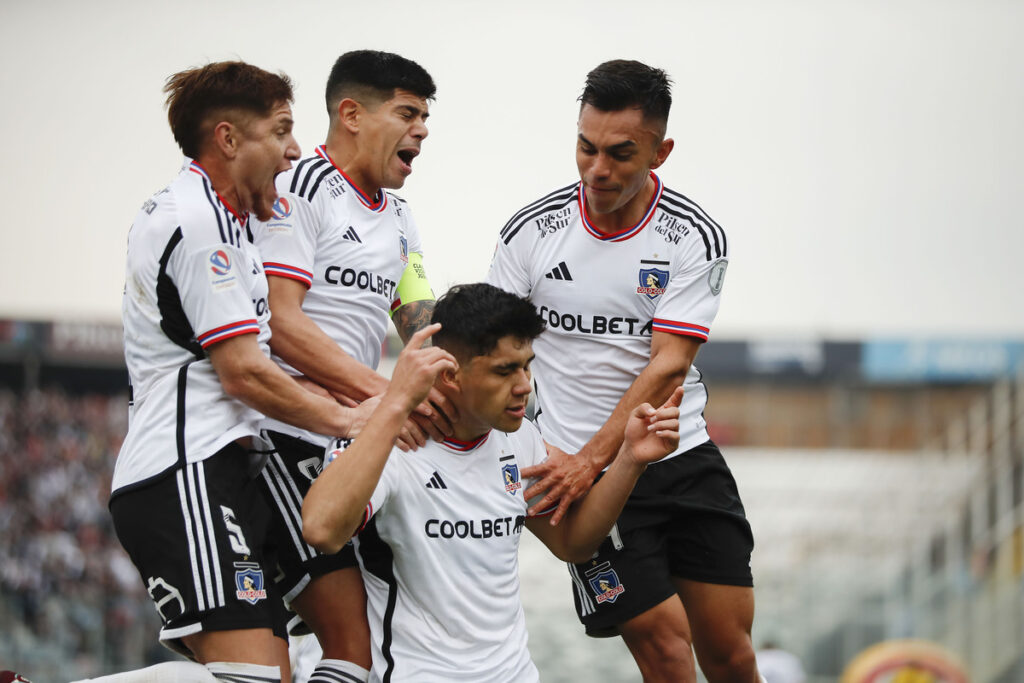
{"x":372,"y":75}
{"x":475,"y":317}
{"x":220,"y":90}
{"x":624,"y":84}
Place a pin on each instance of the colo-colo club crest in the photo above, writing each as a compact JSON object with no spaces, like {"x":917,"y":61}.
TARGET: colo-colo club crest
{"x":511,"y":475}
{"x":249,"y":582}
{"x":652,"y":282}
{"x":605,"y":583}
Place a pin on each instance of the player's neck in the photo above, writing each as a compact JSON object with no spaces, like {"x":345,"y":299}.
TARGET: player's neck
{"x":625,"y":216}
{"x":223,"y":184}
{"x":467,"y":433}
{"x":345,"y":156}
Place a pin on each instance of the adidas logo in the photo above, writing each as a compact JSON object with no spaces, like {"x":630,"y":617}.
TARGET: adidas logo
{"x":436,"y":482}
{"x":351,"y":235}
{"x":559,"y":272}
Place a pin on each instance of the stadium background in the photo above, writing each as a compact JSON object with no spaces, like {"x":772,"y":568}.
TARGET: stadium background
{"x":864,"y":158}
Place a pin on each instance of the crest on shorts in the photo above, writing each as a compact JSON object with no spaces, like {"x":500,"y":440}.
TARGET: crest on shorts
{"x":249,"y":582}
{"x":606,"y":586}
{"x":652,"y":282}
{"x":511,"y":475}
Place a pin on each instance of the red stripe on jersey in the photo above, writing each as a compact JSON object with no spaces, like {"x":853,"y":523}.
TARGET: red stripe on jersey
{"x":366,"y":201}
{"x":284,"y":270}
{"x":367,"y":514}
{"x":625,"y":234}
{"x":464,"y":446}
{"x":685,"y":329}
{"x":227,"y":331}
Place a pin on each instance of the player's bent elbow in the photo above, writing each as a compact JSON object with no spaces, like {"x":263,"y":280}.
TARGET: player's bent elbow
{"x":317,"y":533}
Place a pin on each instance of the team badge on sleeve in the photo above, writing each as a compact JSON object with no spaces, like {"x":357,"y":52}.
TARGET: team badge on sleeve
{"x":281,"y":209}
{"x":605,"y":584}
{"x":403,"y":249}
{"x":249,"y":582}
{"x":511,"y":474}
{"x":717,"y":276}
{"x":652,"y":282}
{"x":221,"y":275}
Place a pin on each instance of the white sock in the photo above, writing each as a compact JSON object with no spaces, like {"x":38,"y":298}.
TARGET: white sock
{"x":239,"y":672}
{"x":338,"y":671}
{"x":168,"y":672}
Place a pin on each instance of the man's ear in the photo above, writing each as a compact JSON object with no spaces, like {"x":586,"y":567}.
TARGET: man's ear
{"x":226,"y":138}
{"x":349,"y":113}
{"x":451,"y":379}
{"x":662,"y":152}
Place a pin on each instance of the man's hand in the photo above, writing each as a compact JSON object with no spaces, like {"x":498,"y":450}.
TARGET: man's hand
{"x":652,"y":434}
{"x":416,"y":370}
{"x":436,"y":416}
{"x":565,"y":477}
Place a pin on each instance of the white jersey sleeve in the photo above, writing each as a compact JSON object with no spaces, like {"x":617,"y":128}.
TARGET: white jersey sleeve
{"x":288,"y":241}
{"x":691,"y":299}
{"x":508,"y":269}
{"x":213,"y":295}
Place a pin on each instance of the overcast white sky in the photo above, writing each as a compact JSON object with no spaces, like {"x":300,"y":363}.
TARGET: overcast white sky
{"x":865,"y":158}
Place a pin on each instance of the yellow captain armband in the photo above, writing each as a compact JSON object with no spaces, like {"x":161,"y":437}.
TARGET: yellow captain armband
{"x":414,"y":285}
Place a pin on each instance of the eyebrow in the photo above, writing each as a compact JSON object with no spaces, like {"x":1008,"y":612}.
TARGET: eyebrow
{"x":513,"y":365}
{"x":617,"y":147}
{"x":415,"y":111}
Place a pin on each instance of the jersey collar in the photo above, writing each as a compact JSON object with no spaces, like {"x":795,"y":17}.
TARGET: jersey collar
{"x":465,"y":446}
{"x":200,"y":171}
{"x":621,"y":235}
{"x":366,"y":201}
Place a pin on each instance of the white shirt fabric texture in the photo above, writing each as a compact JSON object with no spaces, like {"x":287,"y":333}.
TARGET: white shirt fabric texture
{"x":193,"y":278}
{"x":348,"y":249}
{"x":439,"y":556}
{"x":602,"y":296}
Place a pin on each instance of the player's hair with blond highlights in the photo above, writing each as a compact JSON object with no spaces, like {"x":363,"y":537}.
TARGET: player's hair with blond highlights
{"x":221,"y":91}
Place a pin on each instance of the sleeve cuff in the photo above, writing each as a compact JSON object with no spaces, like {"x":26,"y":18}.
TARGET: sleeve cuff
{"x":685,"y":329}
{"x":223,"y":332}
{"x":284,"y":270}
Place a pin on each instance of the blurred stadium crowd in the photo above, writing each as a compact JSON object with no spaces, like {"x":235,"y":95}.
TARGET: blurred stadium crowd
{"x":68,"y":592}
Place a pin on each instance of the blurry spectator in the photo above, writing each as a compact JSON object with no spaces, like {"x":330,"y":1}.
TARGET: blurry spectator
{"x":66,"y":586}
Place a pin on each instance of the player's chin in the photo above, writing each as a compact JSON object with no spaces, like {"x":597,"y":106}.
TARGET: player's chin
{"x":263,"y":207}
{"x":510,"y":421}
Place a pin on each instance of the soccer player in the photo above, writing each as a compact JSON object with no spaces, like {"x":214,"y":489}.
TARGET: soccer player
{"x":342,"y":254}
{"x":628,"y":275}
{"x":440,"y":527}
{"x":184,"y":500}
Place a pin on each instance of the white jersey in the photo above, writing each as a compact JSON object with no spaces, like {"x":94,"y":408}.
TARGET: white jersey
{"x":193,"y":279}
{"x":347,"y":249}
{"x":439,"y":557}
{"x":602,"y":296}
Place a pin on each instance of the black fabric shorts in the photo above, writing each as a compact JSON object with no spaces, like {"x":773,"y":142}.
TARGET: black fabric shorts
{"x":197,"y":537}
{"x":286,"y":478}
{"x":684,"y":519}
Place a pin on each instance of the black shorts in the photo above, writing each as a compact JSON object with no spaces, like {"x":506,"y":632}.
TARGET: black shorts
{"x":684,"y":519}
{"x":286,"y":478}
{"x":197,"y":538}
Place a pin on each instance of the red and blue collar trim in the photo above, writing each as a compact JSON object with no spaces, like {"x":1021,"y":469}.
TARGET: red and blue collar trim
{"x":465,"y":446}
{"x":366,"y":201}
{"x":200,"y":171}
{"x":621,"y":235}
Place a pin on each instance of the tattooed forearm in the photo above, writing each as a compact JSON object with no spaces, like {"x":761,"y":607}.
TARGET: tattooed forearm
{"x":412,"y":317}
